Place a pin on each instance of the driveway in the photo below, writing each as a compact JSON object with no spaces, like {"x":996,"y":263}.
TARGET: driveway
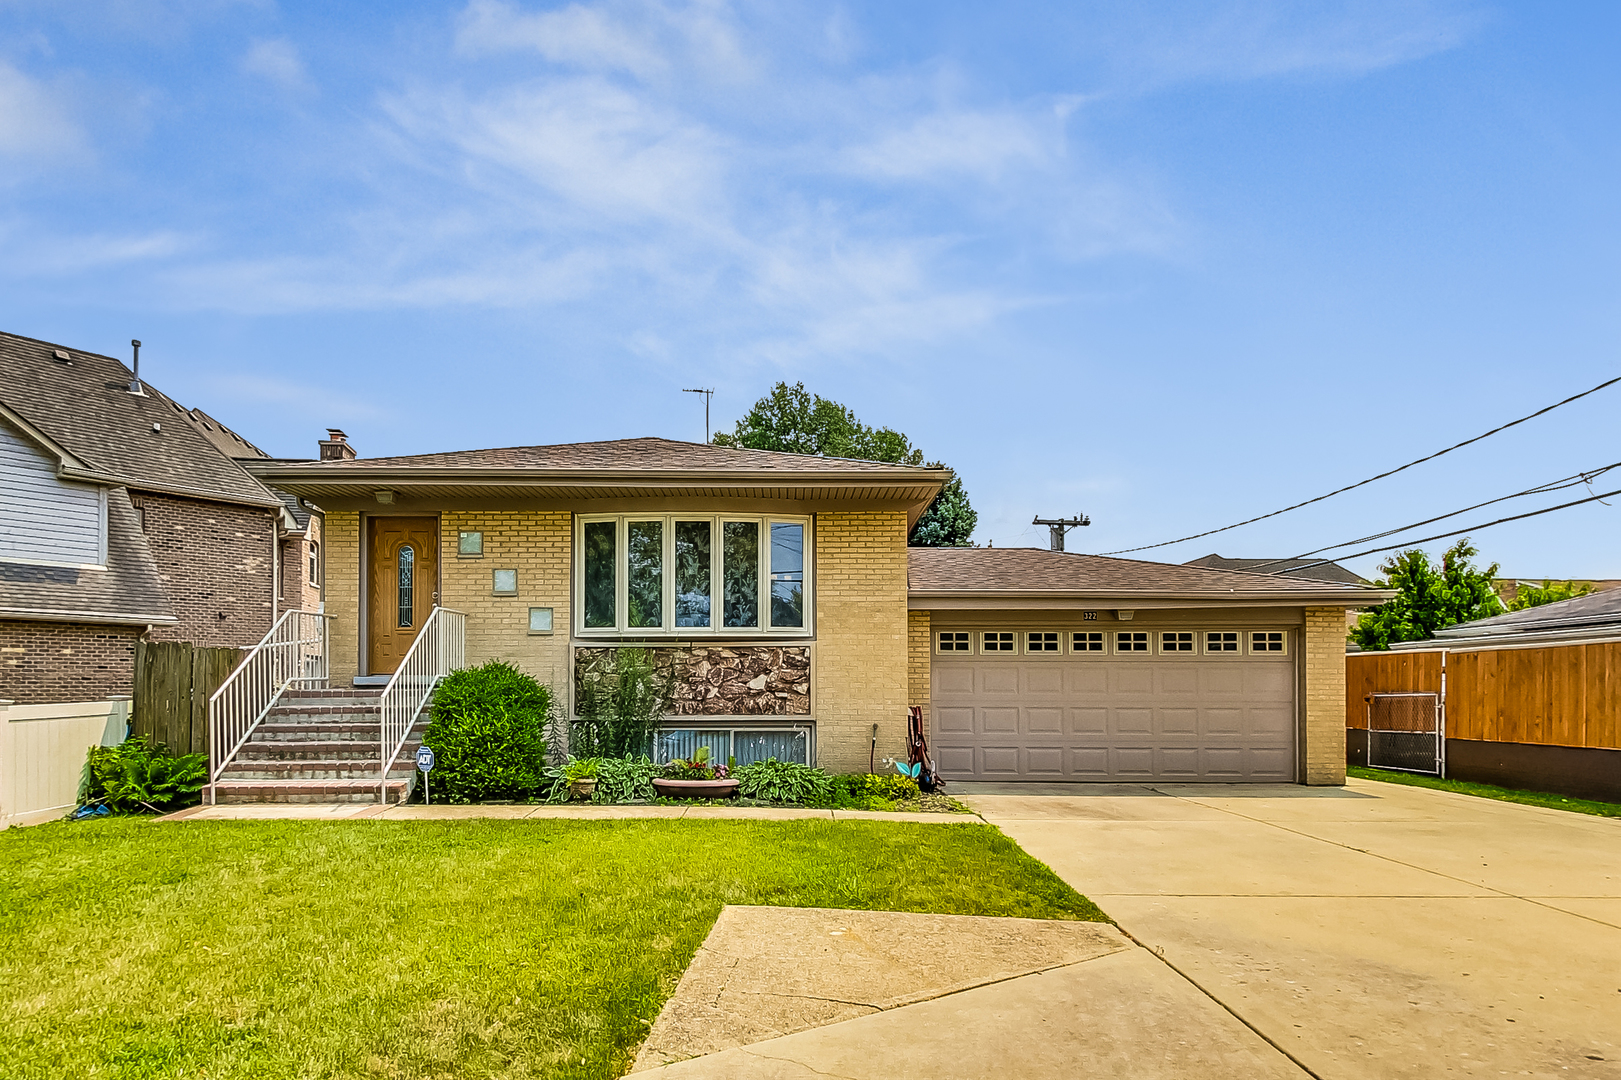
{"x":1366,"y":931}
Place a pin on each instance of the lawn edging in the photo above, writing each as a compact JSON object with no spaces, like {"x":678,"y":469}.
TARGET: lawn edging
{"x":1543,"y":799}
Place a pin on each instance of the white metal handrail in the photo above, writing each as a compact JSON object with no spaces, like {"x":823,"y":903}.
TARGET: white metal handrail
{"x":295,"y":651}
{"x":440,"y":648}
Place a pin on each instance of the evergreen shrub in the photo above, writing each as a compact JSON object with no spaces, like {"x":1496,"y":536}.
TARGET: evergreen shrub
{"x":488,"y":734}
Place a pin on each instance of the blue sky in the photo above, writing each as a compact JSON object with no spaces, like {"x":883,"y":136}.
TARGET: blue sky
{"x":1171,"y":265}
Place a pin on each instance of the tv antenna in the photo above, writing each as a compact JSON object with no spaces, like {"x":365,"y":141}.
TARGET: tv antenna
{"x":1057,"y":527}
{"x":707,"y":395}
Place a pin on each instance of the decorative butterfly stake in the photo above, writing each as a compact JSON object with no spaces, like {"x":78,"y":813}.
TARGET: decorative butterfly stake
{"x":913,"y":771}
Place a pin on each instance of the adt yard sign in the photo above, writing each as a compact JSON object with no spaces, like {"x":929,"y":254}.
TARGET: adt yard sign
{"x":425,"y":763}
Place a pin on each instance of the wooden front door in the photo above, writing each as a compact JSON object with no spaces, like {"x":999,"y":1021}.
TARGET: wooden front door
{"x":404,"y":587}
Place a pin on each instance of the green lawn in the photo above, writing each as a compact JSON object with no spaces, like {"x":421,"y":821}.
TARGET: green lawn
{"x":1490,"y":791}
{"x":465,"y":949}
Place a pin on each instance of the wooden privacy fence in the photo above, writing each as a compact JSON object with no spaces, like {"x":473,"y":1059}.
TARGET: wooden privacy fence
{"x":1555,"y":695}
{"x":173,"y":682}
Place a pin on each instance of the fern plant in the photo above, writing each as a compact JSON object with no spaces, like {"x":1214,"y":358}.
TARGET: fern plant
{"x":139,"y":775}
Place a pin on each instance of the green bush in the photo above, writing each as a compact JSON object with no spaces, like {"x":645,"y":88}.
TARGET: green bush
{"x":625,"y":779}
{"x":785,"y":781}
{"x":140,"y":775}
{"x":488,"y":734}
{"x":891,"y":787}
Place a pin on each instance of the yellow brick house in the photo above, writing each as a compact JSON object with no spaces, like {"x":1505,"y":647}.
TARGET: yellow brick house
{"x":806,"y":626}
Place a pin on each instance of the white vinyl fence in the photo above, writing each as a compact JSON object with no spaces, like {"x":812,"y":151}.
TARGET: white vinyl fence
{"x":42,"y":753}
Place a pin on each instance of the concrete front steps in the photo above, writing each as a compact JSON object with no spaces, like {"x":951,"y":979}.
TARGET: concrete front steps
{"x":319,"y":746}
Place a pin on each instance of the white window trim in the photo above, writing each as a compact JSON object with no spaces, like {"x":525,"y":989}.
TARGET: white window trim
{"x":1024,"y":643}
{"x":979,"y":643}
{"x":1116,"y":650}
{"x":1161,"y":650}
{"x":1206,"y":650}
{"x":970,"y":651}
{"x":667,"y":585}
{"x":1273,"y":654}
{"x":1069,"y":643}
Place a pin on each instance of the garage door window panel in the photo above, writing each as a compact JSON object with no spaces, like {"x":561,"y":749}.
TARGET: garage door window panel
{"x":954,"y":641}
{"x":1042,"y":642}
{"x":1131,"y":642}
{"x":1268,"y":643}
{"x":999,"y":641}
{"x":1222,"y":643}
{"x":1176,"y":642}
{"x":1088,"y":643}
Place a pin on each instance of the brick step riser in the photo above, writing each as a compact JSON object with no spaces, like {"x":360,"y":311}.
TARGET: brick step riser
{"x":335,"y":732}
{"x":298,"y":798}
{"x":317,"y":751}
{"x":318,"y":712}
{"x":311,"y":772}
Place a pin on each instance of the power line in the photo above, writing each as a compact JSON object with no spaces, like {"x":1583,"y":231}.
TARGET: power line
{"x":1561,"y":484}
{"x":1371,"y":479}
{"x":1460,"y":532}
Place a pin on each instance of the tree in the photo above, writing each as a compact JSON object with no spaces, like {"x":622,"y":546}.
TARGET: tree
{"x":795,"y":421}
{"x":1530,"y":596}
{"x":1429,"y":597}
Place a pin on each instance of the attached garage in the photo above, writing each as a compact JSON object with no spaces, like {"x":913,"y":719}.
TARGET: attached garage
{"x":1044,"y":666}
{"x":1106,"y":715}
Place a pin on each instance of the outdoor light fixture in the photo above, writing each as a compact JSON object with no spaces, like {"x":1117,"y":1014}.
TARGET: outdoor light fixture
{"x":385,"y":497}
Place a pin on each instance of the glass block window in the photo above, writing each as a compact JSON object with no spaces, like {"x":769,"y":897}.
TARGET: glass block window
{"x":470,"y":543}
{"x":1176,"y":641}
{"x":1221,"y":641}
{"x":1131,"y":641}
{"x":998,"y":641}
{"x":955,"y":641}
{"x":1266,"y":641}
{"x":540,"y":620}
{"x":1086,"y":641}
{"x":1040,"y":641}
{"x":504,"y":582}
{"x":752,"y":746}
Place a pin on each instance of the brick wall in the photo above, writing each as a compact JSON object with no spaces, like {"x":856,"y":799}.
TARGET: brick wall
{"x":1323,"y":751}
{"x":860,"y":677}
{"x":215,"y":561}
{"x":919,"y":659}
{"x":42,"y":663}
{"x":342,"y":586}
{"x":534,"y":543}
{"x":297,"y":588}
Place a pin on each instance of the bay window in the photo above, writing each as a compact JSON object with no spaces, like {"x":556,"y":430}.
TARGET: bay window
{"x":685,"y":573}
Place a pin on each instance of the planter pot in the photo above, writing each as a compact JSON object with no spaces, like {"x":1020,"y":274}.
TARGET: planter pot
{"x":695,"y":789}
{"x":581,"y":789}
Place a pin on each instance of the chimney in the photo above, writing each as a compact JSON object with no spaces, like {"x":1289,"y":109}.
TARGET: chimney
{"x":335,"y":447}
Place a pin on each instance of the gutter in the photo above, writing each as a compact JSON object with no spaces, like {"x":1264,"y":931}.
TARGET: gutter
{"x":1107,"y":599}
{"x":326,"y":474}
{"x":110,"y":618}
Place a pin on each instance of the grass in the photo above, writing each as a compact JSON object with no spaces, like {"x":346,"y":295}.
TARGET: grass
{"x":516,"y":949}
{"x":1490,"y":791}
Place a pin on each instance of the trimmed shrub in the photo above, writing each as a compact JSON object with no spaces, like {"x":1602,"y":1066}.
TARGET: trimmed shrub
{"x":625,"y":779}
{"x":488,"y":734}
{"x":140,"y":775}
{"x":892,"y":787}
{"x":785,"y":781}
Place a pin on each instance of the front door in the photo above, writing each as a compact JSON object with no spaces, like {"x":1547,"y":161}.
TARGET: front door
{"x":404,"y":587}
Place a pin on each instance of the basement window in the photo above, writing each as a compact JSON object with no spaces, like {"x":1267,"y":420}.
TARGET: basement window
{"x":955,"y":641}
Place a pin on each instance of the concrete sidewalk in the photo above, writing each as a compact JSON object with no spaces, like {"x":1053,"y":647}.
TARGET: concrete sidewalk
{"x":1369,"y":931}
{"x":563,"y":812}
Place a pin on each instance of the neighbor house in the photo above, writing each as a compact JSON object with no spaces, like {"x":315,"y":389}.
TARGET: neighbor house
{"x":805,"y":626}
{"x":120,"y":521}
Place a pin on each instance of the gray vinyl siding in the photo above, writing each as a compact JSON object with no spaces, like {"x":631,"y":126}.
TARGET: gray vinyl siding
{"x":42,"y":518}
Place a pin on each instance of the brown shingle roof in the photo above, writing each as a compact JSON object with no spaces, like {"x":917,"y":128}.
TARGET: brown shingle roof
{"x":627,"y":455}
{"x":86,"y":407}
{"x":1017,"y":571}
{"x":1315,"y":569}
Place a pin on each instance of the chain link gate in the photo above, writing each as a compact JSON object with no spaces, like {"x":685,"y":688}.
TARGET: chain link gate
{"x":1405,"y":733}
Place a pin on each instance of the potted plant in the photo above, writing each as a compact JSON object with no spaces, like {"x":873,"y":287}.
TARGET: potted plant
{"x":695,"y":778}
{"x":581,"y":774}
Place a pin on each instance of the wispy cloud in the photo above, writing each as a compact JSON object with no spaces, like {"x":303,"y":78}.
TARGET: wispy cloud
{"x":36,"y":124}
{"x":277,"y":60}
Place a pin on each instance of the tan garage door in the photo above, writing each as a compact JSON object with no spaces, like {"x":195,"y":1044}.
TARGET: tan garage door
{"x":1218,"y":719}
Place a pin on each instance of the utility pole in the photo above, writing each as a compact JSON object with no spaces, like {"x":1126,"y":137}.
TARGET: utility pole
{"x":707,"y":395}
{"x":1057,"y":527}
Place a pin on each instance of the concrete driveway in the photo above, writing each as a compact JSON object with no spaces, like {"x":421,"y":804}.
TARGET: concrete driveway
{"x":1366,"y":931}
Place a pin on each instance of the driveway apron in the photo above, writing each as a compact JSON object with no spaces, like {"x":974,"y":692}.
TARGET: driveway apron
{"x":1366,"y":931}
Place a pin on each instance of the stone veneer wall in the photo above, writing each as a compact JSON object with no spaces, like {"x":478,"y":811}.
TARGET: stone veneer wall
{"x":919,"y":661}
{"x":1324,"y":719}
{"x":861,"y":637}
{"x":722,"y":680}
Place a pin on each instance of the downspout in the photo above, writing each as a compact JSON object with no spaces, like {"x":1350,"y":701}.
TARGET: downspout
{"x":275,"y":568}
